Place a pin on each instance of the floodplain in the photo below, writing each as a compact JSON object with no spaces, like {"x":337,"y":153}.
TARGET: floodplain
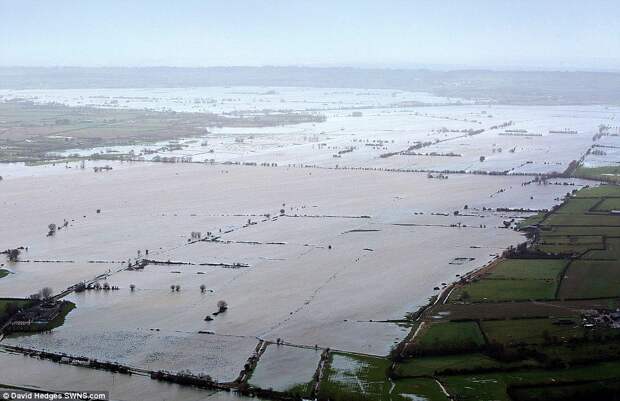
{"x":284,"y":242}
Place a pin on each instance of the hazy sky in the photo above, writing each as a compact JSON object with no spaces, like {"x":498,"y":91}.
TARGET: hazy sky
{"x":563,"y":34}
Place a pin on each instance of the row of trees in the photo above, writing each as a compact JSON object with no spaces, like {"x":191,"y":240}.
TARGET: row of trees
{"x":44,"y":294}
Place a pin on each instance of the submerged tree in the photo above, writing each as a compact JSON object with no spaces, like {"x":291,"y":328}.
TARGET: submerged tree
{"x":13,"y":255}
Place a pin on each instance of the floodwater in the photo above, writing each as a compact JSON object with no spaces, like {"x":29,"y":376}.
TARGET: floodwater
{"x":282,"y":368}
{"x":320,"y":257}
{"x":393,"y":229}
{"x":365,"y":124}
{"x":23,"y":371}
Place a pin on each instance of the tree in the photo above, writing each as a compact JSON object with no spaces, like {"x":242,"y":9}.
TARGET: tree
{"x":46,"y":292}
{"x":132,"y":287}
{"x":172,"y":287}
{"x":52,"y":229}
{"x":13,"y":254}
{"x":482,"y":158}
{"x":203,"y":288}
{"x":222,"y":306}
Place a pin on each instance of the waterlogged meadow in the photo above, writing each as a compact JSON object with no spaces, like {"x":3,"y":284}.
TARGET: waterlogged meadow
{"x":321,"y":234}
{"x":284,"y":368}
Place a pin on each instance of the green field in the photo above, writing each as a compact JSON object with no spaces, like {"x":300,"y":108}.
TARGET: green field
{"x":514,"y":280}
{"x":579,"y":240}
{"x":611,"y":251}
{"x":591,"y":279}
{"x":579,"y":231}
{"x":601,"y":220}
{"x":447,"y":337}
{"x":531,"y":331}
{"x":609,"y":204}
{"x":570,"y":244}
{"x":577,"y":205}
{"x":497,"y":290}
{"x":493,"y":386}
{"x":595,"y":390}
{"x":528,"y":269}
{"x":419,"y":389}
{"x":436,"y":365}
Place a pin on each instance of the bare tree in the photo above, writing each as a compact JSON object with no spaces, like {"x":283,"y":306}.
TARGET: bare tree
{"x":46,"y":292}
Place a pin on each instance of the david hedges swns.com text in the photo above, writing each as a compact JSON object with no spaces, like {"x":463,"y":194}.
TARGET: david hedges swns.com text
{"x":29,"y":395}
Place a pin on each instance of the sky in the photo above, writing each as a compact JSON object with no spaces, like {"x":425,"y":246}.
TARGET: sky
{"x":498,"y":34}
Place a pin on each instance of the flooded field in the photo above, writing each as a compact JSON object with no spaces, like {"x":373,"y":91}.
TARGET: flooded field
{"x":285,"y":368}
{"x":296,"y":253}
{"x":23,"y":371}
{"x":305,"y":231}
{"x":379,"y":129}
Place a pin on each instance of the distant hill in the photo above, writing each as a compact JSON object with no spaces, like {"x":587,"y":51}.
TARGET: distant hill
{"x":506,"y":87}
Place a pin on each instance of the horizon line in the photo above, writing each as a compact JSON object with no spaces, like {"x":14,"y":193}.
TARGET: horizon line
{"x":422,"y":67}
